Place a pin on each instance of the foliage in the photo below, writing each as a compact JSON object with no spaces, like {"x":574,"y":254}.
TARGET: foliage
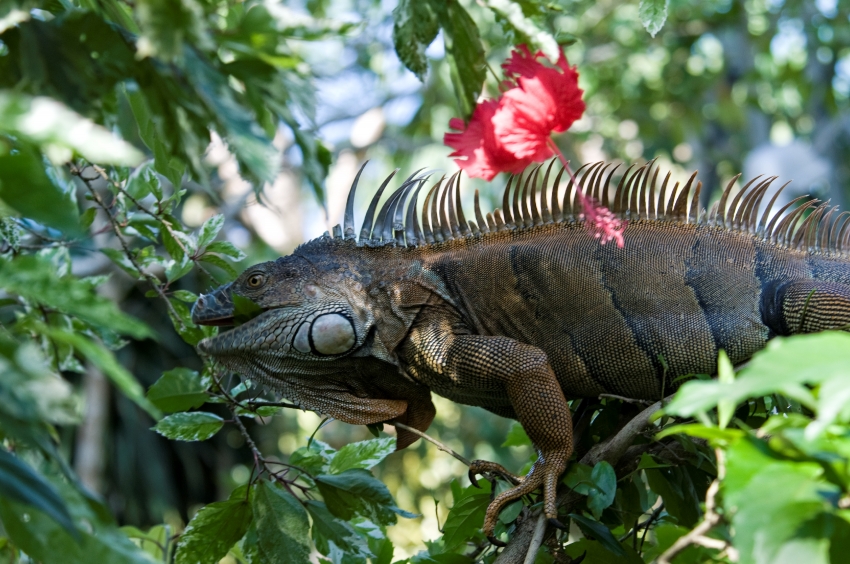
{"x":111,"y":114}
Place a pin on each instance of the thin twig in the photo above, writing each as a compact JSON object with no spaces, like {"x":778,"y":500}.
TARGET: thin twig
{"x":712,"y":518}
{"x":151,"y":279}
{"x":254,"y":403}
{"x":165,"y":223}
{"x":625,"y":399}
{"x":432,"y":440}
{"x":536,"y":539}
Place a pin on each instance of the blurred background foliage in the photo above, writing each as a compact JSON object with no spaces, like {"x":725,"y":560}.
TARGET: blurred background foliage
{"x":243,"y":124}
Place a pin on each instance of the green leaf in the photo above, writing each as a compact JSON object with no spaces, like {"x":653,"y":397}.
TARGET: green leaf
{"x":36,"y":279}
{"x":60,"y":132}
{"x":516,"y":436}
{"x":244,"y":309}
{"x":194,"y":426}
{"x":604,"y":488}
{"x":87,"y":218}
{"x":25,"y":186}
{"x":281,"y":525}
{"x":45,"y":540}
{"x":225,"y":248}
{"x":106,"y":362}
{"x":527,"y":30}
{"x":221,"y":263}
{"x":785,"y":366}
{"x":466,"y":515}
{"x":595,"y":529}
{"x":775,"y":504}
{"x":253,"y":149}
{"x":464,"y":52}
{"x":415,"y":27}
{"x":725,"y":375}
{"x":364,"y":454}
{"x":18,"y":482}
{"x":334,"y":536}
{"x":179,"y":389}
{"x":314,"y":459}
{"x":214,"y":529}
{"x":358,"y":492}
{"x":209,"y":230}
{"x":166,"y":25}
{"x":653,"y":14}
{"x":714,"y":434}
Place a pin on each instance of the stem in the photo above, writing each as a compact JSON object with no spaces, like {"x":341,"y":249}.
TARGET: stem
{"x":431,"y":440}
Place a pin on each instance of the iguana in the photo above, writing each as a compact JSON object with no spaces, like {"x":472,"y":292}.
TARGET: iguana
{"x":523,"y":309}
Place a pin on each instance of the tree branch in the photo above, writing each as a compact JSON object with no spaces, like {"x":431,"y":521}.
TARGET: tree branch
{"x":610,"y":450}
{"x":431,"y":440}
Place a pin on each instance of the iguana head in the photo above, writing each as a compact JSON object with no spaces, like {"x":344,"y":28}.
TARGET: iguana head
{"x":303,"y":314}
{"x":313,"y":335}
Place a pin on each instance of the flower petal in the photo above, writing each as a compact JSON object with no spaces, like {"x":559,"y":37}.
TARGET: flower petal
{"x":477,"y":149}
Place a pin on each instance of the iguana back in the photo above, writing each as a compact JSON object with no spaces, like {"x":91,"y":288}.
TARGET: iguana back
{"x":520,"y":311}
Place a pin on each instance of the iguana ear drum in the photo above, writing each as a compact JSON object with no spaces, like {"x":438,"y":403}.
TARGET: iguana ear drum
{"x":328,"y":334}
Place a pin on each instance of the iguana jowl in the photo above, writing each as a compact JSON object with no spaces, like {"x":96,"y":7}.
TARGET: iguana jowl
{"x":520,"y":311}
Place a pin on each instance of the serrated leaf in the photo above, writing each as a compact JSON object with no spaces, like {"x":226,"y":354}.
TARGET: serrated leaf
{"x":357,"y":492}
{"x":364,"y":454}
{"x":143,"y":181}
{"x":221,"y":263}
{"x":466,"y":515}
{"x":595,"y":529}
{"x":225,"y":248}
{"x":334,"y":536}
{"x":20,"y":483}
{"x":25,"y":187}
{"x":37,"y":280}
{"x":604,"y":488}
{"x":178,"y":269}
{"x":209,"y":230}
{"x":87,"y":218}
{"x":213,"y":530}
{"x":185,"y":296}
{"x":653,"y":14}
{"x":527,"y":31}
{"x":415,"y":27}
{"x":179,"y":389}
{"x":106,"y":362}
{"x":465,"y":54}
{"x":280,"y":526}
{"x":194,"y":426}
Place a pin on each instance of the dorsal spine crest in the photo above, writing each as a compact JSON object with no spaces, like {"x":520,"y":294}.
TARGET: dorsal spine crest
{"x":528,"y":202}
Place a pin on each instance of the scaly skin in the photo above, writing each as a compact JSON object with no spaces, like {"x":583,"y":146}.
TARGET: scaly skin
{"x":518,"y":321}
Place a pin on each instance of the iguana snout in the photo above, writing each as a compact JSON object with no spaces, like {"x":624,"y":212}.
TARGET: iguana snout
{"x":215,"y":308}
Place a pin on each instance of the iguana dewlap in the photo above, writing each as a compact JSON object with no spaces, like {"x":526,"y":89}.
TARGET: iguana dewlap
{"x":520,"y":311}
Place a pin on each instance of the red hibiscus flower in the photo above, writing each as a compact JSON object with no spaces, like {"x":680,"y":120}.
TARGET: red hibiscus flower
{"x":544,"y":100}
{"x":478,"y":150}
{"x":511,"y":132}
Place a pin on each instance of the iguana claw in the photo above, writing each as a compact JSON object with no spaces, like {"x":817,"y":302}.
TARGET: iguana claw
{"x":557,"y":524}
{"x":472,"y":478}
{"x":496,"y":542}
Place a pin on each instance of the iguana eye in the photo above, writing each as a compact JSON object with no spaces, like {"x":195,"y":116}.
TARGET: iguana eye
{"x":256,"y":280}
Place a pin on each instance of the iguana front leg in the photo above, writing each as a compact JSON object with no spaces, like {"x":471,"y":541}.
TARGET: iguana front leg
{"x":478,"y":369}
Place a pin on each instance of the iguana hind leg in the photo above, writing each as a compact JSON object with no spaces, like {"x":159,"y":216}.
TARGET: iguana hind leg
{"x":520,"y":373}
{"x":806,"y":306}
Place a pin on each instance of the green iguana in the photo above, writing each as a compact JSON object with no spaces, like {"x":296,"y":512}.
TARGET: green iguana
{"x":523,"y":309}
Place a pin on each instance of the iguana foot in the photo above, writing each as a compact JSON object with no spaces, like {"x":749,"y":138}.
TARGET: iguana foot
{"x":545,"y":472}
{"x":477,"y":467}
